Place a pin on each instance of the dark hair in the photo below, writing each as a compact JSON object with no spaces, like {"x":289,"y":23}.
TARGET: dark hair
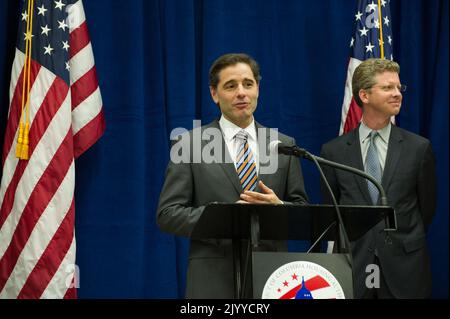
{"x":230,"y":59}
{"x":364,"y":75}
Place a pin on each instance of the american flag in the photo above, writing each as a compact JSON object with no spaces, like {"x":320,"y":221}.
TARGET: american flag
{"x":372,"y":39}
{"x":37,"y":241}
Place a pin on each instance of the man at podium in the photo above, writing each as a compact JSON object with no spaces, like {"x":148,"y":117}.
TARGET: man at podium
{"x":404,"y":164}
{"x":228,"y":167}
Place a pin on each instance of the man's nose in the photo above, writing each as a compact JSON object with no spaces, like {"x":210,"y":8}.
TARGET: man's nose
{"x":397,"y":91}
{"x":240,"y":90}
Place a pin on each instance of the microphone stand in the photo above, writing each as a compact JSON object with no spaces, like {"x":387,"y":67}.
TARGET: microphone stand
{"x":300,"y":152}
{"x":311,"y":157}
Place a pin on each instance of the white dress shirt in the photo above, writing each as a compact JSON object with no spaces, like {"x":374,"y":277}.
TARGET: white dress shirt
{"x":229,"y":131}
{"x":382,"y":142}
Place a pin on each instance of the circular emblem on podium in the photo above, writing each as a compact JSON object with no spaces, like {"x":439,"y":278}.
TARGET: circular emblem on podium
{"x":302,"y":280}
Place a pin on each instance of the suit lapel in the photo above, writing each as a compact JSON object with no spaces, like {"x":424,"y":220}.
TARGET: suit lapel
{"x":268,"y":179}
{"x":355,"y":160}
{"x":392,"y":156}
{"x":226,"y":163}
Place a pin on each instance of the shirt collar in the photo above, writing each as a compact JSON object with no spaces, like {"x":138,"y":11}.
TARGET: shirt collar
{"x":384,"y":133}
{"x":230,"y":129}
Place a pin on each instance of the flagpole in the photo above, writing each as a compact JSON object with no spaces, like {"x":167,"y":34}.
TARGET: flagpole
{"x":381,"y":30}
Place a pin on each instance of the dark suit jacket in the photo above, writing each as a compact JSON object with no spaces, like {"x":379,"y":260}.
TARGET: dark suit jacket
{"x":409,"y":180}
{"x":190,"y":186}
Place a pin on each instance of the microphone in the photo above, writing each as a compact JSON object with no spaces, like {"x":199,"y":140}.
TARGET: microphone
{"x":273,"y":146}
{"x":294,"y":150}
{"x":281,"y":148}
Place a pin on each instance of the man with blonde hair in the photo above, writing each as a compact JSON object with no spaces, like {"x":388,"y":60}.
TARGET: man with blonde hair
{"x":404,"y":164}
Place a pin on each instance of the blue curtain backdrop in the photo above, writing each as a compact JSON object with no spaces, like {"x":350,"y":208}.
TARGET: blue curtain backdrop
{"x":152,"y":58}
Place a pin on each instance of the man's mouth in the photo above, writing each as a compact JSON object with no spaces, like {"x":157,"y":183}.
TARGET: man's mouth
{"x":241,"y":105}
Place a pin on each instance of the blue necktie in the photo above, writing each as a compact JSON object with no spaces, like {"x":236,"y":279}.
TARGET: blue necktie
{"x":245,"y":162}
{"x":373,"y":167}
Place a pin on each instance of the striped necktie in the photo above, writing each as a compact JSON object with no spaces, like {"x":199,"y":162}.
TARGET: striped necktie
{"x":245,"y":162}
{"x":373,"y":167}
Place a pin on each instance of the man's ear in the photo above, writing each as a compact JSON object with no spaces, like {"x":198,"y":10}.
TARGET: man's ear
{"x":364,"y":96}
{"x":214,"y":96}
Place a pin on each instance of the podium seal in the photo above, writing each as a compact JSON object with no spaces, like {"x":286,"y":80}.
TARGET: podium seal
{"x":302,"y":280}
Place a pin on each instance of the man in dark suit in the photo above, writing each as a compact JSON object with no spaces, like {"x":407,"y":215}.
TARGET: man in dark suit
{"x":404,"y":164}
{"x":231,"y":171}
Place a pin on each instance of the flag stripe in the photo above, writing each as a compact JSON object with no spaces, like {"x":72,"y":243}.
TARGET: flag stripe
{"x":79,"y":38}
{"x":89,"y":134}
{"x":71,"y":293}
{"x":76,"y":16}
{"x":43,"y":82}
{"x":87,"y":110}
{"x":19,"y":60}
{"x":84,"y":87}
{"x":37,"y":201}
{"x":81,"y":63}
{"x":34,"y":169}
{"x":16,"y":109}
{"x":49,"y":107}
{"x":9,"y":195}
{"x":36,"y":245}
{"x":62,"y":277}
{"x":353,"y":117}
{"x":51,"y":258}
{"x":348,"y":94}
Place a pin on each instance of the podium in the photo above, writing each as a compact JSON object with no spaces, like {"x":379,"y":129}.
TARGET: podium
{"x":256,"y":222}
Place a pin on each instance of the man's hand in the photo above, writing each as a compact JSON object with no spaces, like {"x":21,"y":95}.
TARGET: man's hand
{"x":266,"y":197}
